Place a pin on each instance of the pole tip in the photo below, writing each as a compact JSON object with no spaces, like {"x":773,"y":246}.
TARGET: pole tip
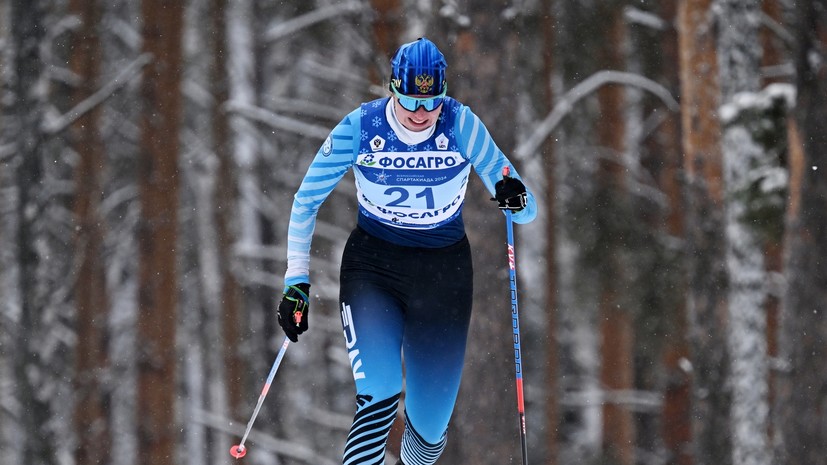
{"x":238,"y":451}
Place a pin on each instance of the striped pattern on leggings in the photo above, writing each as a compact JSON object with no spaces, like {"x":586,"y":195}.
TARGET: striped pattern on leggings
{"x":418,"y":451}
{"x":369,"y":433}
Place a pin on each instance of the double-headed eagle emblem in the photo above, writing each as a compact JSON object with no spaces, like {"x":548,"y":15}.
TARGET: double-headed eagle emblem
{"x":424,"y":83}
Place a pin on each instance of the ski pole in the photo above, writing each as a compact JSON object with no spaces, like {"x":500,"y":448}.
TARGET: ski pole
{"x":239,"y":450}
{"x":515,"y":323}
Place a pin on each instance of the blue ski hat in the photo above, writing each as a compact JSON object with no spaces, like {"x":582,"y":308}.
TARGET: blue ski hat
{"x":418,"y":68}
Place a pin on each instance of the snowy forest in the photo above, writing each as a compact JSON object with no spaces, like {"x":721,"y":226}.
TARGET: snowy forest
{"x":672,"y":290}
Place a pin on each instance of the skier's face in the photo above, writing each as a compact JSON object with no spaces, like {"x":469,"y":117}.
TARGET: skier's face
{"x":418,"y":120}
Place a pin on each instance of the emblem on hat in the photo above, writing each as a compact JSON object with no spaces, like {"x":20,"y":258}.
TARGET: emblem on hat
{"x":424,"y":83}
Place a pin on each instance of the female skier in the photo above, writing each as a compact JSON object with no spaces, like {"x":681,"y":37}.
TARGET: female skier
{"x":406,"y":274}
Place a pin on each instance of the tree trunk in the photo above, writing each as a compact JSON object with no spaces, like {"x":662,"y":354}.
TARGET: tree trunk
{"x":738,"y":67}
{"x":705,"y":232}
{"x":803,"y":339}
{"x":91,"y":300}
{"x":387,"y":26}
{"x":675,"y":421}
{"x":552,"y":400}
{"x":226,"y":199}
{"x":616,"y":321}
{"x":30,"y":367}
{"x":244,"y":146}
{"x":157,"y":232}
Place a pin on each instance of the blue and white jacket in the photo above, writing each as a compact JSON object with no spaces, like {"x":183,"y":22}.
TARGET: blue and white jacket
{"x":410,"y":186}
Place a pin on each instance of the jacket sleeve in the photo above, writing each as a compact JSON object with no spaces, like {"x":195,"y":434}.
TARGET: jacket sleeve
{"x":334,"y":158}
{"x":488,"y":160}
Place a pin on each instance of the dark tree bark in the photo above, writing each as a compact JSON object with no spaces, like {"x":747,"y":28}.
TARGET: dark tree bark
{"x":225,"y":202}
{"x":706,"y":302}
{"x":616,"y":319}
{"x":803,"y":338}
{"x":552,"y":411}
{"x":158,"y":232}
{"x":92,"y":410}
{"x":665,"y":155}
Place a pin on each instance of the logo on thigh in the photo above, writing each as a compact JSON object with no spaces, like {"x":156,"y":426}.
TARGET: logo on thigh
{"x":350,"y":342}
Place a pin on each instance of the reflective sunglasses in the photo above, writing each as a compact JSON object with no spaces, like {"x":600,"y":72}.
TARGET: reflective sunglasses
{"x":413,"y":103}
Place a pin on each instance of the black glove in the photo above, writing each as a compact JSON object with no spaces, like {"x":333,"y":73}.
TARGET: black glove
{"x":293,"y":310}
{"x":510,"y":194}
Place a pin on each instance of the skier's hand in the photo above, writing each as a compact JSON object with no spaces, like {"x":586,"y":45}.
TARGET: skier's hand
{"x":510,"y":194}
{"x":293,"y":310}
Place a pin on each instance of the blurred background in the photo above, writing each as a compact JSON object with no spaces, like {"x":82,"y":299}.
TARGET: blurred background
{"x":671,"y":290}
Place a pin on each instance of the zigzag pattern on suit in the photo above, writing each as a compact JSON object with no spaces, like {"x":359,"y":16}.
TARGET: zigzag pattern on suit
{"x":369,"y":433}
{"x":418,"y":451}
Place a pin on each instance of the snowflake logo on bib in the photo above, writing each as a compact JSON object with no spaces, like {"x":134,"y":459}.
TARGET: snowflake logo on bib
{"x":382,"y":178}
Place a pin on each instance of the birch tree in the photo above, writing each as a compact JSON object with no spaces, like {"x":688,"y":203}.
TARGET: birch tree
{"x":122,"y":63}
{"x":203,"y":371}
{"x":30,"y":358}
{"x":579,"y":340}
{"x":738,"y":62}
{"x":10,"y":433}
{"x":241,"y":63}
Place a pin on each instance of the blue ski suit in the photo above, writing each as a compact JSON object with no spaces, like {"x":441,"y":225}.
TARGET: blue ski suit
{"x":406,"y":272}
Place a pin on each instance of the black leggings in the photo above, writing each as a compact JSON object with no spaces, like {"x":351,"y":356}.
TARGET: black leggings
{"x":407,"y":301}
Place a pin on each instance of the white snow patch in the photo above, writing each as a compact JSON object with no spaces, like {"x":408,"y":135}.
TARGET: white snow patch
{"x":758,"y":100}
